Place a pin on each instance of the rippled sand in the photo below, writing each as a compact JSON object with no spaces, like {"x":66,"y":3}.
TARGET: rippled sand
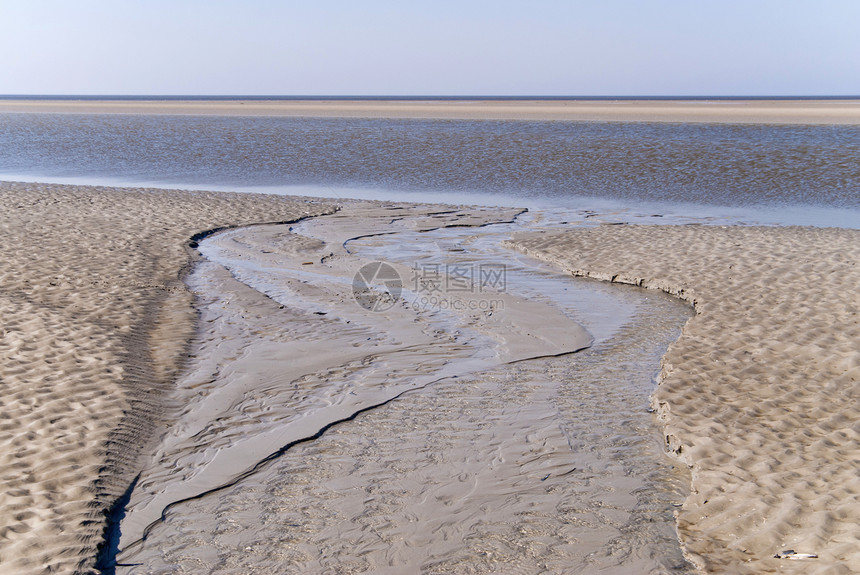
{"x":93,"y":320}
{"x":759,"y":395}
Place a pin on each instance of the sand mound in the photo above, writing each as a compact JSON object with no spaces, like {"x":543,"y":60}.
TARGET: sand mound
{"x":759,"y":395}
{"x":93,"y":319}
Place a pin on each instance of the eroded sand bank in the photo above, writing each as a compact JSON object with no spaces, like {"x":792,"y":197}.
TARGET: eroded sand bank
{"x":719,"y":111}
{"x":759,"y":395}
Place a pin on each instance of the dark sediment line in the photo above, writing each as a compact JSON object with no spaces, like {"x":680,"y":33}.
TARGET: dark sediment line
{"x":106,"y":559}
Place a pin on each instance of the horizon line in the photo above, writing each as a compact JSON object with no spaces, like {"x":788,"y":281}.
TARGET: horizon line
{"x":390,"y":97}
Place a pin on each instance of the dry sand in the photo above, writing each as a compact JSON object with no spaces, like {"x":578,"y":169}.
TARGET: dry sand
{"x":760,"y":394}
{"x":93,"y":320}
{"x":719,"y":111}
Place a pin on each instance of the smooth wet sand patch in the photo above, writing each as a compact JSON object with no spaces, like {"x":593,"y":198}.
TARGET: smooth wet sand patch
{"x":280,"y":320}
{"x":547,"y":465}
{"x":759,"y":395}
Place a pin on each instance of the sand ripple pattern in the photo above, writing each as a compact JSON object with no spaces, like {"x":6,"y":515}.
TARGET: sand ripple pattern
{"x":93,"y":315}
{"x":759,"y":395}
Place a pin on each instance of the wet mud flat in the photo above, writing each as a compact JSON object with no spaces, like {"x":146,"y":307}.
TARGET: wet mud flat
{"x":509,"y":431}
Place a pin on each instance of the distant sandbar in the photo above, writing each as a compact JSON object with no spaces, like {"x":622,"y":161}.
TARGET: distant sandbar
{"x":703,"y":111}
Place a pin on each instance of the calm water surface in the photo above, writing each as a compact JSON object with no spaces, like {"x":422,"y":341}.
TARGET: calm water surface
{"x":810,"y":173}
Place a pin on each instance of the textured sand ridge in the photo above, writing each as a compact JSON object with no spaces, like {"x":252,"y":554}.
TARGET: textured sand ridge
{"x":759,"y":395}
{"x":93,"y":315}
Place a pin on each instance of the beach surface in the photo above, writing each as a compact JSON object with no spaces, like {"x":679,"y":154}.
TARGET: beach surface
{"x":759,"y":395}
{"x":708,"y":111}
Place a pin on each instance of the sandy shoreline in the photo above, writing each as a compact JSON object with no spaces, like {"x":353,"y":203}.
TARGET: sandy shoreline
{"x":707,"y":111}
{"x":757,"y":396}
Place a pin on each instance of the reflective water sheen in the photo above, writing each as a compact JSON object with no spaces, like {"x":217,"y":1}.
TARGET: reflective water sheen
{"x":513,"y":161}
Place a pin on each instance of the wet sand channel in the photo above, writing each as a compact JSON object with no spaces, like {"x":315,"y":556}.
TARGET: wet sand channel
{"x":471,"y":411}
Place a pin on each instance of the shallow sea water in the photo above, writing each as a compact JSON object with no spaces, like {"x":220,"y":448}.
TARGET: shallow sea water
{"x":768,"y":173}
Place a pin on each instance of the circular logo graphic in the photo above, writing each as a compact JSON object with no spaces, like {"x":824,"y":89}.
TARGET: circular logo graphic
{"x":376,"y":286}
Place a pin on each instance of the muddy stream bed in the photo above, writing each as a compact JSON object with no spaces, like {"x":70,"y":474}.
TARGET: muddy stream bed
{"x":388,"y":390}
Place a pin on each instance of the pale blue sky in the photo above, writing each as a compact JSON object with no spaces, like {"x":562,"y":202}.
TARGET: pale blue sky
{"x":378,"y":47}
